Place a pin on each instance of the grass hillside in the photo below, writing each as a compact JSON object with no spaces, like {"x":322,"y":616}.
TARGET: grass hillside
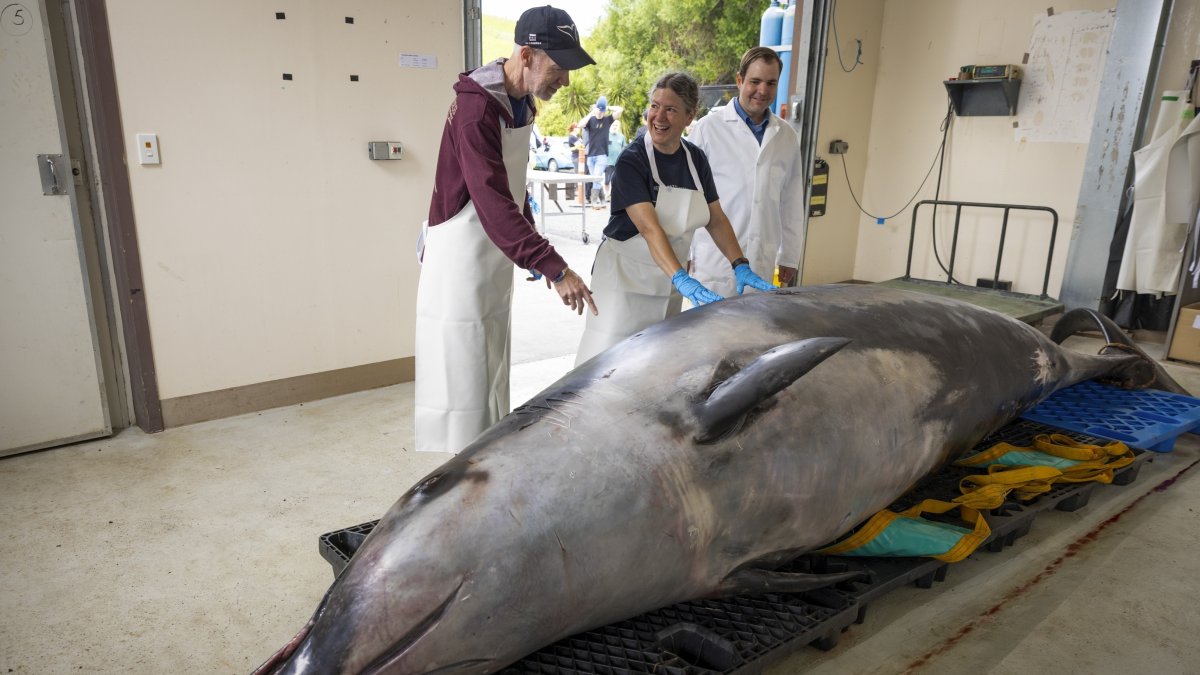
{"x":497,"y":37}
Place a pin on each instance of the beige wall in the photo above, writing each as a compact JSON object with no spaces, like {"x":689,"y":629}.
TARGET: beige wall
{"x":846,"y":107}
{"x":271,"y":246}
{"x":924,"y":43}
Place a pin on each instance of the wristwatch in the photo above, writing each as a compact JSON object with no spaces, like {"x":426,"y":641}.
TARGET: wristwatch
{"x":739,"y":261}
{"x":561,"y":275}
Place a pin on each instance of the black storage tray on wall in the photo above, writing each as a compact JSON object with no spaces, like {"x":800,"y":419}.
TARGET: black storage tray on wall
{"x":983,"y":97}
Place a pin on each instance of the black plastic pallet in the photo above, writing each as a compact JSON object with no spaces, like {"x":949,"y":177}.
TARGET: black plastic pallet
{"x":746,"y":634}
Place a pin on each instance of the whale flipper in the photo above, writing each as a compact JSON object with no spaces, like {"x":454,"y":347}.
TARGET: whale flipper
{"x":767,"y":581}
{"x":761,"y":379}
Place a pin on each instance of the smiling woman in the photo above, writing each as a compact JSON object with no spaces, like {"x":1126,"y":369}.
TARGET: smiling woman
{"x":663,"y":192}
{"x":672,"y":108}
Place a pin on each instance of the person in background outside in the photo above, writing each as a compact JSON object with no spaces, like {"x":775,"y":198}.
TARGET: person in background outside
{"x":616,"y":143}
{"x":479,"y":225}
{"x":575,"y":142}
{"x":757,"y":167}
{"x":595,"y":135}
{"x":662,"y":193}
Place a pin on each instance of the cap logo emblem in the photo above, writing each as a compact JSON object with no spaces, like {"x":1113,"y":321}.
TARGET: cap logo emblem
{"x":569,"y":31}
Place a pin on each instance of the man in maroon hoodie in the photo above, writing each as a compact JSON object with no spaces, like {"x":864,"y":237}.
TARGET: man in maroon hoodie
{"x":479,"y":226}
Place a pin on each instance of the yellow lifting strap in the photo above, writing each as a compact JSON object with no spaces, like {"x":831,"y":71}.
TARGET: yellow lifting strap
{"x":1025,"y":471}
{"x":987,"y":490}
{"x":874,"y":526}
{"x":1058,"y":445}
{"x":1088,"y":463}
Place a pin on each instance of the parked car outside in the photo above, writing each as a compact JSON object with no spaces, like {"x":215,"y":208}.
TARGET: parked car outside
{"x":553,"y":155}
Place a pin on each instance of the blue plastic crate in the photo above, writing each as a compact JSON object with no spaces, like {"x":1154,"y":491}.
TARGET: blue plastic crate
{"x":1146,"y":418}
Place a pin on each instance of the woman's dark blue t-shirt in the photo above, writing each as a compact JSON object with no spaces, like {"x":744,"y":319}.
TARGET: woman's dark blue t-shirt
{"x":633,"y":183}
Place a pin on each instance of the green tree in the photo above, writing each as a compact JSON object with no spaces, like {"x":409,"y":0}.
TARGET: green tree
{"x":638,"y":41}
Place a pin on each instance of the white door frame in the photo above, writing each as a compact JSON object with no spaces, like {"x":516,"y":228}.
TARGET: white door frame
{"x":86,"y":32}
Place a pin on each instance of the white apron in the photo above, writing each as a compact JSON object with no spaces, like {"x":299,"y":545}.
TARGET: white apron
{"x":630,"y":290}
{"x":464,"y":313}
{"x":1153,"y":255}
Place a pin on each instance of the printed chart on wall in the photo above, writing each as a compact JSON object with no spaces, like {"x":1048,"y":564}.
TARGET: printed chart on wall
{"x":1062,"y":76}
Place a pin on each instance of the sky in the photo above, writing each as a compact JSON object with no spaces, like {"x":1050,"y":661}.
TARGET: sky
{"x":585,"y":12}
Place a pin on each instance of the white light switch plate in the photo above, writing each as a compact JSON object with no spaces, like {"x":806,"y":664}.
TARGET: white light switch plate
{"x":148,"y":149}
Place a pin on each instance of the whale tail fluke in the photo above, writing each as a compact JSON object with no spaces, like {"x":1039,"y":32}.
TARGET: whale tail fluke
{"x":1142,"y":373}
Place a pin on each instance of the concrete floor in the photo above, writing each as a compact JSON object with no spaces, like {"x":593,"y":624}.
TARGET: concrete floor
{"x":195,"y":550}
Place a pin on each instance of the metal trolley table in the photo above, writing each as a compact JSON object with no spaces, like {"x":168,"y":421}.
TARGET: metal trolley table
{"x":538,"y":187}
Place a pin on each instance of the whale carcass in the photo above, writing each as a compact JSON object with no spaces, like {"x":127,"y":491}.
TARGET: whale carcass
{"x":688,"y":461}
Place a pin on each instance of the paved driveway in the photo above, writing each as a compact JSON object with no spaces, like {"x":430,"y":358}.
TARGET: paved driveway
{"x":546,"y":333}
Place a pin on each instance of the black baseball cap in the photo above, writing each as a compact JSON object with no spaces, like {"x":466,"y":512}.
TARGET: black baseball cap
{"x":553,"y":31}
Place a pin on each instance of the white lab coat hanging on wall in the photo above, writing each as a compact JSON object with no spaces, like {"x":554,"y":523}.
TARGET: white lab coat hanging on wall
{"x":1184,"y":169}
{"x":1166,"y":189}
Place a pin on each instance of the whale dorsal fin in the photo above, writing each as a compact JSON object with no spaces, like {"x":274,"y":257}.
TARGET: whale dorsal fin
{"x":762,"y":378}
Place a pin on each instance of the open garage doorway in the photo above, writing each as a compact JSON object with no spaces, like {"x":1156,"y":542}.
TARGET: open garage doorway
{"x":545,"y":334}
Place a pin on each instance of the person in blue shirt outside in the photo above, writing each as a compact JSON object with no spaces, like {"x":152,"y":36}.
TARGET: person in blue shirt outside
{"x":595,"y":135}
{"x":663,"y":192}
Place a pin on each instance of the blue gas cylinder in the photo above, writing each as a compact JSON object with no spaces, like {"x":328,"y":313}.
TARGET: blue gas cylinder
{"x":785,"y":55}
{"x":771,"y":25}
{"x":787,"y":29}
{"x":787,"y":25}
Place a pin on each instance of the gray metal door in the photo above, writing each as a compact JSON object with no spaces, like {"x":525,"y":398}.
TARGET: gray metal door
{"x":51,"y":388}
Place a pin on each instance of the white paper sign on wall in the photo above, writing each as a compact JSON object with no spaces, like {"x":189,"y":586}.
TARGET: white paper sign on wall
{"x":1062,"y":77}
{"x":418,"y":61}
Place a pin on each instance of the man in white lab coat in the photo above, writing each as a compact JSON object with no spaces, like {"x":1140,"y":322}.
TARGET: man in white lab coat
{"x":756,"y":163}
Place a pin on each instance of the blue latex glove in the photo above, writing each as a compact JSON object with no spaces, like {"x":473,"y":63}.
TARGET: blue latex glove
{"x":746,"y":277}
{"x":693,"y":290}
{"x":534,"y":275}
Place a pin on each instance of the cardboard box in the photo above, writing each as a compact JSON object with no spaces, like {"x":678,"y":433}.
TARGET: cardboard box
{"x":1185,"y":344}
